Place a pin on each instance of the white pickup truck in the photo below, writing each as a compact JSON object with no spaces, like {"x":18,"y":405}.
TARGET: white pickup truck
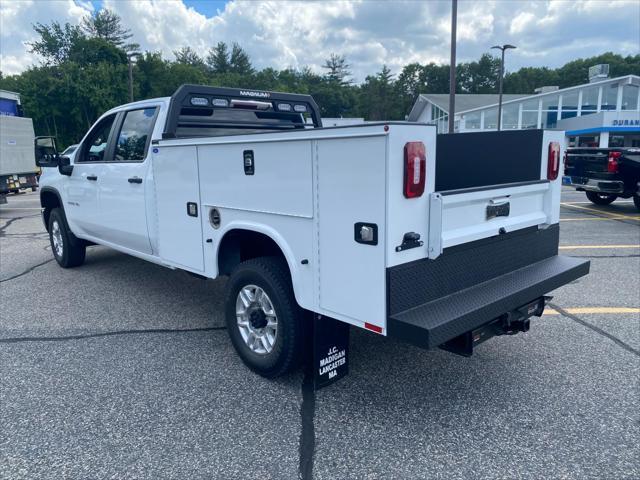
{"x":437,"y":242}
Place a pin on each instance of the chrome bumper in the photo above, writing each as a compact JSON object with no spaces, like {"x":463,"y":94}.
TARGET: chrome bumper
{"x":594,"y":185}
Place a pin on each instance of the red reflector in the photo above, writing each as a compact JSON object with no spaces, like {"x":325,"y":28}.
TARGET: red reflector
{"x":553,"y":161}
{"x":373,"y":328}
{"x":612,"y":165}
{"x":415,"y":169}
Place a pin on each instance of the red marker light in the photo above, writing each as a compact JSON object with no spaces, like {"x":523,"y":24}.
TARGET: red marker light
{"x":415,"y":169}
{"x":373,"y":328}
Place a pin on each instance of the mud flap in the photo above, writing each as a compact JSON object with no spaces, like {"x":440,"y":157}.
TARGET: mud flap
{"x":330,"y":350}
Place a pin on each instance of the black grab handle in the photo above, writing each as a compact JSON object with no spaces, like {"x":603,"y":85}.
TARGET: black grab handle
{"x":135,"y":180}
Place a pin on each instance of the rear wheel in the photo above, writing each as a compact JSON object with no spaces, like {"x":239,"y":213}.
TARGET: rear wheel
{"x":636,"y":201}
{"x":68,"y":250}
{"x":601,"y":198}
{"x":263,"y":319}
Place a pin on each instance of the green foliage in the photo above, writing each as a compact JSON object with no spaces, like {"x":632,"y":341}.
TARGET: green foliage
{"x":106,"y":25}
{"x":85,"y":72}
{"x":55,"y":42}
{"x":188,"y":56}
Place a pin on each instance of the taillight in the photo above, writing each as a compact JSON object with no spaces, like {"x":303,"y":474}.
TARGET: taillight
{"x":612,"y":164}
{"x":415,"y":169}
{"x":553,"y":161}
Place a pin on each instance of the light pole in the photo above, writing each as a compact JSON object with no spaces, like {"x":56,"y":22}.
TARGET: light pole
{"x":452,"y":65}
{"x":502,"y":49}
{"x":131,"y":56}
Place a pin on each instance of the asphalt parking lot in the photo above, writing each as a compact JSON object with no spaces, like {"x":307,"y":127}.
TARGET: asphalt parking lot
{"x":122,"y":369}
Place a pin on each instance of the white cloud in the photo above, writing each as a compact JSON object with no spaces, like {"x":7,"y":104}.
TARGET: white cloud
{"x":16,"y":20}
{"x":369,"y":32}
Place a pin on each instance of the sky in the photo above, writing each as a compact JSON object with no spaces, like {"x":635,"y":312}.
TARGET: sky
{"x":370,"y":33}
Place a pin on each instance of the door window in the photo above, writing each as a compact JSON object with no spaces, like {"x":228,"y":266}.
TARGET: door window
{"x":95,"y":146}
{"x":134,"y":135}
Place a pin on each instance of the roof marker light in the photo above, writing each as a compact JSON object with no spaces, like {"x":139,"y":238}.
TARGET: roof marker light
{"x":199,"y":101}
{"x":284,"y":107}
{"x":300,"y":108}
{"x":219,"y":102}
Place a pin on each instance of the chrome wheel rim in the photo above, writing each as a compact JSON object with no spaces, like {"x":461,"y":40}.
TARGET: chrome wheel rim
{"x":257,"y":319}
{"x":56,"y":237}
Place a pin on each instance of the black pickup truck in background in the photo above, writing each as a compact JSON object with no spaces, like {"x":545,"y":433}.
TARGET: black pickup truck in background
{"x":604,"y":174}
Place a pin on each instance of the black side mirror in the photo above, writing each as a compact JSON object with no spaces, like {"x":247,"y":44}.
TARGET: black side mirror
{"x":45,"y":152}
{"x":64,"y":166}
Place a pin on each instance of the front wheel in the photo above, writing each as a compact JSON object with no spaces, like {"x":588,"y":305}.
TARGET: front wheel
{"x":601,"y":198}
{"x":68,"y":250}
{"x":263,"y":319}
{"x":636,"y":200}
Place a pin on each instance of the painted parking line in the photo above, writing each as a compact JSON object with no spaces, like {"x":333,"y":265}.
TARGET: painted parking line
{"x":587,"y":310}
{"x":599,"y":212}
{"x":579,"y":247}
{"x":608,"y":219}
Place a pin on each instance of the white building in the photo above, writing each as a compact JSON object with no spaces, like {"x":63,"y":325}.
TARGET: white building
{"x":603,"y":113}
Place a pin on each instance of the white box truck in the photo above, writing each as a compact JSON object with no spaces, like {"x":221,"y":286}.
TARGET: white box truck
{"x":439,"y":241}
{"x":18,"y":168}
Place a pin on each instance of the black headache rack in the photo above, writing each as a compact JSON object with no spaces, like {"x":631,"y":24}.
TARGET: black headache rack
{"x":477,"y":290}
{"x":199,"y":111}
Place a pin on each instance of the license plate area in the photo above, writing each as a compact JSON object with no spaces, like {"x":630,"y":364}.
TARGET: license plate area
{"x":499,"y":209}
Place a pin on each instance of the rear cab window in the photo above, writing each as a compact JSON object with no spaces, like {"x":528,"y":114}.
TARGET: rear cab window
{"x":135,"y":134}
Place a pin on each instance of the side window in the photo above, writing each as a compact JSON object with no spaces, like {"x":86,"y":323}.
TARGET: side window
{"x":134,"y":135}
{"x":94,"y":147}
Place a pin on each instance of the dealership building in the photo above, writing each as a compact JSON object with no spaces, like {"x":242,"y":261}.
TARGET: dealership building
{"x":602,"y":113}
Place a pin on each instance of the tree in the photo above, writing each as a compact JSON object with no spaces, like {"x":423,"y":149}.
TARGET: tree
{"x":55,"y":42}
{"x":188,"y":56}
{"x":218,"y":58}
{"x":337,"y":69}
{"x":378,"y":97}
{"x":107,"y":25}
{"x":239,"y":61}
{"x":479,"y":77}
{"x":86,"y":51}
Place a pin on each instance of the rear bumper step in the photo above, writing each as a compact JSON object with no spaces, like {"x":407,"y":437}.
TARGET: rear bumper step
{"x":438,"y":321}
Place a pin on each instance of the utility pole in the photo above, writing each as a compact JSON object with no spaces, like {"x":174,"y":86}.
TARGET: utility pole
{"x":502,"y":49}
{"x":452,"y":65}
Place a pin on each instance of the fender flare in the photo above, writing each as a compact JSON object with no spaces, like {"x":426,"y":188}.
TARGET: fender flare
{"x":274,"y":235}
{"x":55,"y":192}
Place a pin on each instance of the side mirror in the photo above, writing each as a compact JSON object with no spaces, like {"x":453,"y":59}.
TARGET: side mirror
{"x":64,"y":166}
{"x":46,"y":152}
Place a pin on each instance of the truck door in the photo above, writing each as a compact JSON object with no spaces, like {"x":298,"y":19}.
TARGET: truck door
{"x":81,"y":205}
{"x":123,"y":181}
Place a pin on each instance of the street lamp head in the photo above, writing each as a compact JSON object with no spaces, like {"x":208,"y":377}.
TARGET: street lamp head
{"x":503,"y":47}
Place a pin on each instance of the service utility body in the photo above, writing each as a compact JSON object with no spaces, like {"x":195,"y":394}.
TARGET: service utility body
{"x":436,"y":240}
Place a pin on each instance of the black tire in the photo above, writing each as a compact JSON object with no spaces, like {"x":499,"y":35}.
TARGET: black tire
{"x":636,"y":201}
{"x":72,"y":250}
{"x":601,"y":198}
{"x":270,"y":274}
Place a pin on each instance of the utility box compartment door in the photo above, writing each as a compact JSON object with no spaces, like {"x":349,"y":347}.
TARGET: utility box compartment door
{"x":350,"y":191}
{"x":179,"y":232}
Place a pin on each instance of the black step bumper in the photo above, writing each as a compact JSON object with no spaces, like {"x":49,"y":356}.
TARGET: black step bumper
{"x":433,"y":323}
{"x":432,"y":301}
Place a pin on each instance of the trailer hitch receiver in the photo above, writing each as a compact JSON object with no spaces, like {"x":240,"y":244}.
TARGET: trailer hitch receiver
{"x":510,"y":323}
